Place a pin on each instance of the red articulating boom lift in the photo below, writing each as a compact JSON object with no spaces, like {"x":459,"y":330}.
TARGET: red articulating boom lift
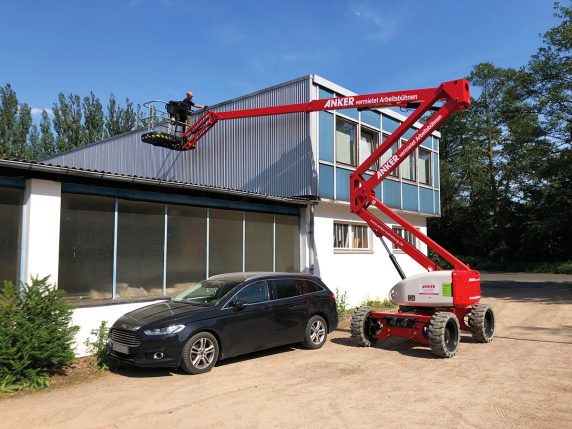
{"x":434,"y":307}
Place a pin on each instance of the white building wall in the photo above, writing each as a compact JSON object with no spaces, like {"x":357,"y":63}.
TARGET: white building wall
{"x":90,"y":318}
{"x":41,"y":230}
{"x":363,"y":275}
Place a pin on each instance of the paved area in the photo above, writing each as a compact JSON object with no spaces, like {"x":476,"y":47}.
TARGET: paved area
{"x":522,"y":379}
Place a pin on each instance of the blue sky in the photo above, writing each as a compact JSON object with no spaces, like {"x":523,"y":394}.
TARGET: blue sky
{"x":159,"y":49}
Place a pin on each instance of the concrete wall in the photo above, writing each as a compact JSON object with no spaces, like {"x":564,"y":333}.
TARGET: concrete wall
{"x":41,"y":230}
{"x":364,"y":275}
{"x":89,"y":318}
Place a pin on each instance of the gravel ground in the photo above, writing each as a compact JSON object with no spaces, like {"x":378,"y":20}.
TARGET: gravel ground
{"x":522,"y":379}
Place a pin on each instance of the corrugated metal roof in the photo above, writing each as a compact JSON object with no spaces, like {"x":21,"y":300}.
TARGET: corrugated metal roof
{"x":263,"y":156}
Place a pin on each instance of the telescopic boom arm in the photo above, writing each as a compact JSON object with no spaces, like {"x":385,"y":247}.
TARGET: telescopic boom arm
{"x":446,"y":99}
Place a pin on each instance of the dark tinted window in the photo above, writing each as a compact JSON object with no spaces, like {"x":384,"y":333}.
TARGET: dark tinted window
{"x":256,"y":292}
{"x":285,"y":288}
{"x":308,"y":286}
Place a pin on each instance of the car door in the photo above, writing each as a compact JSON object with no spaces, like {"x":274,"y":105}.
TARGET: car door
{"x":248,"y":328}
{"x":290,"y":310}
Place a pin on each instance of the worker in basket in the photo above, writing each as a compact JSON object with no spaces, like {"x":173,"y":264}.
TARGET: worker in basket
{"x":180,"y":111}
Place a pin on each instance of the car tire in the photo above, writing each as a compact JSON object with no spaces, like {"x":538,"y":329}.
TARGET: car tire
{"x":200,"y":353}
{"x":316,"y":333}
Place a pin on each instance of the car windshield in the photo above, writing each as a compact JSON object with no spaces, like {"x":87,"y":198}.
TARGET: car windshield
{"x":208,"y":292}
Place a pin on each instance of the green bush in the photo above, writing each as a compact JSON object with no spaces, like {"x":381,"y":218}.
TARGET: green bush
{"x":377,"y":303}
{"x":341,"y":302}
{"x":99,"y":348}
{"x":36,"y":335}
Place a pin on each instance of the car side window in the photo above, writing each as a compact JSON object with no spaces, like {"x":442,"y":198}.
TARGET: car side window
{"x":285,"y":288}
{"x":253,"y":293}
{"x":308,"y":286}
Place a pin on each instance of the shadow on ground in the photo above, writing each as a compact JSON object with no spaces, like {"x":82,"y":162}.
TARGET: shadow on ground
{"x":548,"y":292}
{"x":137,"y":372}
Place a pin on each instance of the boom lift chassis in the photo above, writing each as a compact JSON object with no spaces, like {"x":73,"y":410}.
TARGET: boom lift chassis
{"x":456,"y":305}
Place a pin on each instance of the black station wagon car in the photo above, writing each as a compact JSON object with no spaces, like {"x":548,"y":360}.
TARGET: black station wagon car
{"x":224,"y":316}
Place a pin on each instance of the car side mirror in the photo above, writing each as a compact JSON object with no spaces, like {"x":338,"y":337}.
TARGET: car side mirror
{"x":239,"y":304}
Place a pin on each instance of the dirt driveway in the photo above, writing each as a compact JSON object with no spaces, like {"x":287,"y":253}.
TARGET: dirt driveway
{"x":522,"y":379}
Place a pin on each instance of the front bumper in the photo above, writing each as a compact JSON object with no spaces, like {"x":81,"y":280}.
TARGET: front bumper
{"x":164,"y":351}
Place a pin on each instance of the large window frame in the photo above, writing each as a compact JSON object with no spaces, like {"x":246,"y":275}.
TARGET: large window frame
{"x":373,"y":145}
{"x":349,"y":158}
{"x":388,"y":153}
{"x":351,"y":237}
{"x":284,"y":246}
{"x":428,"y":162}
{"x":406,"y":235}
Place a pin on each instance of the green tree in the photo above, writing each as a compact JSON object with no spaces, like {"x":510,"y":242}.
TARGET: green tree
{"x":93,"y":119}
{"x":113,"y":119}
{"x":68,"y":122}
{"x":8,"y":119}
{"x":47,"y":140}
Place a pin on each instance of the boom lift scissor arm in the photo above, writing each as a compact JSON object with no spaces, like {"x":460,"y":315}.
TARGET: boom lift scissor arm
{"x":446,"y":99}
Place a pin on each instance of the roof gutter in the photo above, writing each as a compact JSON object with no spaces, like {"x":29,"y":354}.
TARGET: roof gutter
{"x":70,"y":171}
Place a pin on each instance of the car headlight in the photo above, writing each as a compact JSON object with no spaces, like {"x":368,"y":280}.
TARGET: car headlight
{"x":173,"y":329}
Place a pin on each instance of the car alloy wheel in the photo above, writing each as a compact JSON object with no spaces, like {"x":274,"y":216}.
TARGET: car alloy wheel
{"x":317,"y":332}
{"x":202,"y":353}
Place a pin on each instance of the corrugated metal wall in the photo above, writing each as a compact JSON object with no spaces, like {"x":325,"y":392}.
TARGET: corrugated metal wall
{"x":270,"y":155}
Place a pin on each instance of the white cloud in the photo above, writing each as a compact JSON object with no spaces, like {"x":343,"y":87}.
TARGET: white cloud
{"x":38,"y":111}
{"x":376,"y":26}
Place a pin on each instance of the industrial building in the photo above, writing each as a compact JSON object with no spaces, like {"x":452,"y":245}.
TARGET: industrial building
{"x":119,"y":224}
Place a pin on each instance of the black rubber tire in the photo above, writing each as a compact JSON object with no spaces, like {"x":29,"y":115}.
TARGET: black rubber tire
{"x":444,"y":334}
{"x":316,"y":333}
{"x":360,"y":327}
{"x":482,"y":322}
{"x":191,"y":345}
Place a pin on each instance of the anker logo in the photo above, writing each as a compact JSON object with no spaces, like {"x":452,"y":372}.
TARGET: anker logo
{"x":427,"y":286}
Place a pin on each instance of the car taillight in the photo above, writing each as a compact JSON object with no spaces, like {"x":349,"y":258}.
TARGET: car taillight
{"x":333,"y":298}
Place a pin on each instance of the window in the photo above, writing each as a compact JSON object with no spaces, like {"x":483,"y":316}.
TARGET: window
{"x":225,"y":244}
{"x":345,"y":142}
{"x":308,"y":286}
{"x":140,"y":249}
{"x":408,"y":166}
{"x":87,"y":226}
{"x":410,"y":238}
{"x":341,"y":236}
{"x":253,"y":293}
{"x":424,"y":166}
{"x":391,"y":151}
{"x":285,"y":288}
{"x":351,"y":236}
{"x":259,"y":241}
{"x":367,"y":144}
{"x":287,"y":243}
{"x":186,"y":243}
{"x":11,"y":214}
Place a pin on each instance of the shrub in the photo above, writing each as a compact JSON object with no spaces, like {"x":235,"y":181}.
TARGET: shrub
{"x":99,"y":347}
{"x":377,"y":303}
{"x":36,"y":335}
{"x":341,"y":302}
